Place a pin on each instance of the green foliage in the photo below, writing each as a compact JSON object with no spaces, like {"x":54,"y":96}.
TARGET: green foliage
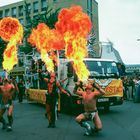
{"x":27,"y":49}
{"x":49,"y":17}
{"x":2,"y":47}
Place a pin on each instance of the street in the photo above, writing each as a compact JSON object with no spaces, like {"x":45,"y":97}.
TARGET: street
{"x":122,"y":122}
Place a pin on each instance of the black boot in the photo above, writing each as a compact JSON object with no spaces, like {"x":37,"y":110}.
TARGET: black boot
{"x":10,"y":122}
{"x":53,"y":125}
{"x":94,"y":130}
{"x":50,"y":125}
{"x":46,"y":116}
{"x":87,"y":127}
{"x":4,"y":125}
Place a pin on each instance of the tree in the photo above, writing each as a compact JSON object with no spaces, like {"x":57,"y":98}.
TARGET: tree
{"x":49,"y":17}
{"x":2,"y":47}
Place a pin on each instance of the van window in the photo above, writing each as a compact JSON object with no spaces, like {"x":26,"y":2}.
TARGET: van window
{"x":102,"y":67}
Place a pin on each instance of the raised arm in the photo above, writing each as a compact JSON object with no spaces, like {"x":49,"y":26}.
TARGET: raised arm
{"x":100,"y":90}
{"x":77,"y":91}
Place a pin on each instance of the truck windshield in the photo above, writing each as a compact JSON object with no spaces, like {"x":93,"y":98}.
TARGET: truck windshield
{"x":102,"y":68}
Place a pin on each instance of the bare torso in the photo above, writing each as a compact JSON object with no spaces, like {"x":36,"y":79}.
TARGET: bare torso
{"x":7,"y":92}
{"x":89,"y":101}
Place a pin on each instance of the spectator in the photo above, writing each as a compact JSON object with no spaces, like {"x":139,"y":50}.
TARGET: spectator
{"x":27,"y":86}
{"x":21,"y":88}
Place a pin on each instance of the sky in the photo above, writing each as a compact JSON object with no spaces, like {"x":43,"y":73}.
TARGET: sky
{"x":119,"y":22}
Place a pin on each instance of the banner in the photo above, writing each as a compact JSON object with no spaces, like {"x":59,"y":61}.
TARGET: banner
{"x":114,"y":88}
{"x":37,"y":95}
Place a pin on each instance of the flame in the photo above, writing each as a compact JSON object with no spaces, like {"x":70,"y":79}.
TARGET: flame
{"x":46,"y":40}
{"x":10,"y":31}
{"x":53,"y":56}
{"x":48,"y":62}
{"x":10,"y":56}
{"x":74,"y":25}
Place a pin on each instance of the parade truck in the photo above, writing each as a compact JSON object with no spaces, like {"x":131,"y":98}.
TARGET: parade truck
{"x":103,"y":72}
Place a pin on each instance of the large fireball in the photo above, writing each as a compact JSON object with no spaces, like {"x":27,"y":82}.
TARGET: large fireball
{"x":46,"y":41}
{"x":75,"y":25}
{"x":11,"y":31}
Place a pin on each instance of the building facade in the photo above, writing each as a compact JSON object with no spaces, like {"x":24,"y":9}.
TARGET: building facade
{"x":35,"y":7}
{"x":132,"y":69}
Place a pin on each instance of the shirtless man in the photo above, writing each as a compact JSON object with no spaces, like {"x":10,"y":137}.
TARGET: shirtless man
{"x":51,"y":98}
{"x":89,"y":100}
{"x":7,"y":90}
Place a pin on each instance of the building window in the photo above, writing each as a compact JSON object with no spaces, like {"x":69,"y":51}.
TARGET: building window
{"x":36,"y":17}
{"x":14,"y":12}
{"x":20,"y":9}
{"x":29,"y":8}
{"x":7,"y":12}
{"x":21,"y":21}
{"x":28,"y":20}
{"x":1,"y":14}
{"x":35,"y":7}
{"x":43,"y":5}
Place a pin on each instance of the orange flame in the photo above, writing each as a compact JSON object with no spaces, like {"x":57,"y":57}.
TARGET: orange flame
{"x":75,"y":25}
{"x":46,"y":40}
{"x":10,"y":30}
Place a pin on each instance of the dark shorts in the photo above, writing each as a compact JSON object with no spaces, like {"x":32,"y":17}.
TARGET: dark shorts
{"x":6,"y":105}
{"x":50,"y":98}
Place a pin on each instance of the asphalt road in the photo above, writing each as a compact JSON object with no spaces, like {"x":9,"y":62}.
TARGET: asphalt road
{"x":121,"y":123}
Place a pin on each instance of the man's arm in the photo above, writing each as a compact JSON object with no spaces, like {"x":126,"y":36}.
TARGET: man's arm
{"x":61,"y":89}
{"x":100,"y":90}
{"x":12,"y":90}
{"x":62,"y":81}
{"x":0,"y":90}
{"x":16,"y":87}
{"x":46,"y":79}
{"x":76,"y":91}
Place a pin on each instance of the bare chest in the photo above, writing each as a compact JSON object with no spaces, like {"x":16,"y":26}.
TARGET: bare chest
{"x":88,"y":98}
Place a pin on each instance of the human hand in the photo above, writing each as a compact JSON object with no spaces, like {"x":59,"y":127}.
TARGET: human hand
{"x":68,"y":94}
{"x":95,"y":86}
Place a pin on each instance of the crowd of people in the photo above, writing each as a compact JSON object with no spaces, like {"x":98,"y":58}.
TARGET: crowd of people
{"x":129,"y":84}
{"x":9,"y":89}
